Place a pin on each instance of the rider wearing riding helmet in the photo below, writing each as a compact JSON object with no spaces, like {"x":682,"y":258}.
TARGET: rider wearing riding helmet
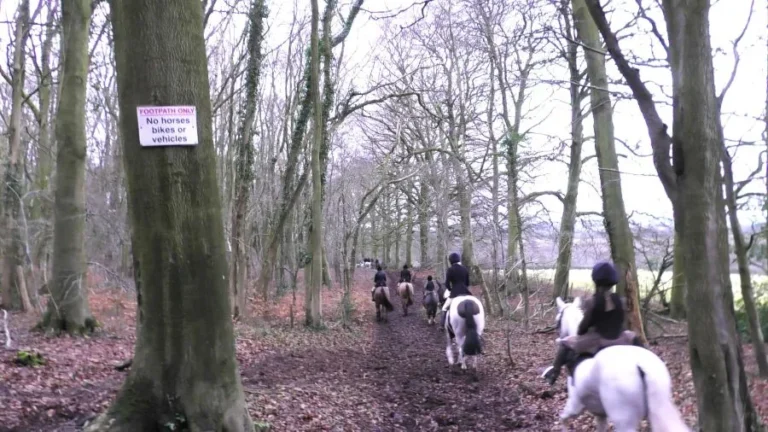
{"x":379,"y":280}
{"x":430,"y":286}
{"x":456,"y":283}
{"x":405,"y":274}
{"x":603,"y":324}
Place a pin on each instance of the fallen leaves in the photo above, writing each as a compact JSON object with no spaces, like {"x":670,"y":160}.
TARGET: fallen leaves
{"x":363,"y":377}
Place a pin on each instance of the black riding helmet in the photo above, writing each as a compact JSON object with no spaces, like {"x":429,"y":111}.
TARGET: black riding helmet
{"x":604,"y":274}
{"x":405,"y":267}
{"x":454,"y":258}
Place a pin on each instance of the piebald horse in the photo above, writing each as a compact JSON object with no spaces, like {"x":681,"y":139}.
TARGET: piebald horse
{"x":466,"y":320}
{"x":405,"y":291}
{"x":622,"y":384}
{"x":381,"y":299}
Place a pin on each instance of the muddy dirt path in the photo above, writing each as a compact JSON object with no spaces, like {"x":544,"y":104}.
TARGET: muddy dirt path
{"x":398,"y":379}
{"x":411,"y":354}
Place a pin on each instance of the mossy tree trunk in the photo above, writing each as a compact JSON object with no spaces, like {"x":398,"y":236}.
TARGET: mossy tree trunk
{"x":244,"y":161}
{"x":677,"y":300}
{"x":12,"y":243}
{"x":312,"y":306}
{"x":184,"y":374}
{"x":614,"y":213}
{"x":68,"y":309}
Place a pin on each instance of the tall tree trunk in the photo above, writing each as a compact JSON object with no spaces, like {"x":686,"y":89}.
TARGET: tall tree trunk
{"x":13,"y":247}
{"x":745,"y":275}
{"x":424,"y":223}
{"x":568,"y":218}
{"x":184,"y":373}
{"x":312,"y":306}
{"x":409,"y":239}
{"x":614,"y":213}
{"x":68,"y":309}
{"x":44,"y":163}
{"x":244,"y":162}
{"x":677,"y":301}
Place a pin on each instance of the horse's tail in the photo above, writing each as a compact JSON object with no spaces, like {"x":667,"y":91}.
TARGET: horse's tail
{"x":467,"y":309}
{"x":661,"y":411}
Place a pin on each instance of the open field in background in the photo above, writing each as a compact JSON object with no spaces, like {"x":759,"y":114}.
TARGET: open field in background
{"x":581,"y":279}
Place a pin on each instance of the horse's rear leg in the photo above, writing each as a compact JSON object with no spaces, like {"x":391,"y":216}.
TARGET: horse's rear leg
{"x":449,"y":349}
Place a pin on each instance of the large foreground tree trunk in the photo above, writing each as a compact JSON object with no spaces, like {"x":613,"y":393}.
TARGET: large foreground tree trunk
{"x":677,"y":299}
{"x":68,"y":309}
{"x":693,"y":185}
{"x":184,"y":371}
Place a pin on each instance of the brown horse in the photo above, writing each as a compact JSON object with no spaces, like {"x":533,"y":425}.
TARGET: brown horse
{"x":405,"y":291}
{"x":381,"y":299}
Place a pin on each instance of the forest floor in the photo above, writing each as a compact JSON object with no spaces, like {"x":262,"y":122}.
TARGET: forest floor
{"x":362,"y":376}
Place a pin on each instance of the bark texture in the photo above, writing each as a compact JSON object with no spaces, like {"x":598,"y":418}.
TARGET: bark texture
{"x":614,"y":213}
{"x":12,"y":243}
{"x":184,"y":374}
{"x":244,"y":160}
{"x":568,"y":219}
{"x":68,"y":309}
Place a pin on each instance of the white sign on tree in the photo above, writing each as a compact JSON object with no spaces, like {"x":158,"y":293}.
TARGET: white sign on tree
{"x":167,"y":125}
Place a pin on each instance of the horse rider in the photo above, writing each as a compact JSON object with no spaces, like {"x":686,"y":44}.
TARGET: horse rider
{"x":456,"y":283}
{"x":379,"y":280}
{"x":603,"y":324}
{"x":405,"y":274}
{"x":430,"y":286}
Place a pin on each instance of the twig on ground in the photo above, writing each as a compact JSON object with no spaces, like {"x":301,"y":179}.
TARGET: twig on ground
{"x":5,"y":328}
{"x":550,"y":329}
{"x":125,"y":365}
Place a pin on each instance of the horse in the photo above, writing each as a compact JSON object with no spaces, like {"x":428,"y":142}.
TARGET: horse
{"x":622,"y":383}
{"x":381,"y":299}
{"x":405,"y":291}
{"x":430,"y":304}
{"x":466,"y":320}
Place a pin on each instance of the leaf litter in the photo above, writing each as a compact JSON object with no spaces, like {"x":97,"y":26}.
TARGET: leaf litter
{"x":362,"y":376}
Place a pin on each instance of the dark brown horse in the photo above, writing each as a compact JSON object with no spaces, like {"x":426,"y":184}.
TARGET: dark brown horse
{"x":405,"y":291}
{"x":381,"y":299}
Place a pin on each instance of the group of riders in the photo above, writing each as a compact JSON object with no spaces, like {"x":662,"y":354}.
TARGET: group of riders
{"x":603,"y":325}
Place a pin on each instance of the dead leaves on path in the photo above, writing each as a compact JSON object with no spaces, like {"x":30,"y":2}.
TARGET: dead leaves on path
{"x":366,"y":377}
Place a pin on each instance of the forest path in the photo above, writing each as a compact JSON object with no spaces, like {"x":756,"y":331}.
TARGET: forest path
{"x":397,"y":379}
{"x":434,"y":395}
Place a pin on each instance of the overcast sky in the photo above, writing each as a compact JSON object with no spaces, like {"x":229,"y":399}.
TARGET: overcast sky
{"x":743,"y":107}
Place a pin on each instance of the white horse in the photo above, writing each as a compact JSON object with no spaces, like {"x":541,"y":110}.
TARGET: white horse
{"x":622,"y":384}
{"x":466,"y":318}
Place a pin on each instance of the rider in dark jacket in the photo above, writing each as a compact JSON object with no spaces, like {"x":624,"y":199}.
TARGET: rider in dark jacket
{"x":430,"y":286}
{"x":405,"y":274}
{"x":603,"y":323}
{"x":379,"y":280}
{"x":456,"y":283}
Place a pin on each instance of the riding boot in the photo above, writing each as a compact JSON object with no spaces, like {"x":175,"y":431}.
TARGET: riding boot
{"x":442,"y":319}
{"x":560,"y":358}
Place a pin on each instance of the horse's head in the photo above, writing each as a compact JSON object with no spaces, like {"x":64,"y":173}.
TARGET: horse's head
{"x":569,"y":317}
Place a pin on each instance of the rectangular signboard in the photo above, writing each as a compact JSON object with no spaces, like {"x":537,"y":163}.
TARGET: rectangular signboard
{"x":167,"y":125}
